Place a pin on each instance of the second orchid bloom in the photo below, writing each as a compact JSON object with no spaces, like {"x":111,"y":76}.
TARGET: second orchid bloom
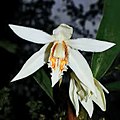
{"x":60,"y":52}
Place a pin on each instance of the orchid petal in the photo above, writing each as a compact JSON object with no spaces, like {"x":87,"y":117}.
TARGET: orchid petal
{"x":100,"y":99}
{"x":62,"y":32}
{"x":55,"y":76}
{"x":31,"y":34}
{"x":102,"y":87}
{"x":88,"y":105}
{"x":81,"y":68}
{"x":90,"y":45}
{"x":73,"y":96}
{"x":35,"y":62}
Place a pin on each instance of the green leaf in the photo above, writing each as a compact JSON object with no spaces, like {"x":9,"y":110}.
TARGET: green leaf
{"x":118,"y":67}
{"x":114,"y":86}
{"x":43,"y":80}
{"x":7,"y":45}
{"x":109,"y":30}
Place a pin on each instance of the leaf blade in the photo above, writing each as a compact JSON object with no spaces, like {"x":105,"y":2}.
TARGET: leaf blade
{"x":114,"y":86}
{"x":44,"y":82}
{"x":108,"y":31}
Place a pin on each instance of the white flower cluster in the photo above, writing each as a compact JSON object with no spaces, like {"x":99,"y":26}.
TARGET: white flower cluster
{"x":64,"y":52}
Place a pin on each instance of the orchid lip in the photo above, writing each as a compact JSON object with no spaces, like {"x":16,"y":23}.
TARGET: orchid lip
{"x":58,"y":59}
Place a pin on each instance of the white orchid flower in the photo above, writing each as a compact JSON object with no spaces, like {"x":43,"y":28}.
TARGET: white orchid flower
{"x":63,"y":53}
{"x":79,"y":92}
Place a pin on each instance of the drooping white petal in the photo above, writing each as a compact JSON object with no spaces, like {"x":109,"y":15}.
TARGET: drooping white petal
{"x":63,"y":32}
{"x":81,"y":68}
{"x":91,"y":45}
{"x":36,"y":61}
{"x":88,"y":105}
{"x":58,"y":60}
{"x":102,"y":86}
{"x":31,"y":34}
{"x":74,"y":96}
{"x":100,"y":99}
{"x":55,"y":76}
{"x":87,"y":101}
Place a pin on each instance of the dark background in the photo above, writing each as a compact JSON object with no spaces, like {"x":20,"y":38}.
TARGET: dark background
{"x":24,"y":99}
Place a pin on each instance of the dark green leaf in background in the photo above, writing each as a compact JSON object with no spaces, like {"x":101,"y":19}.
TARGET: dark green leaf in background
{"x":114,"y":86}
{"x":109,"y":30}
{"x":44,"y":82}
{"x":118,"y":67}
{"x":7,"y":45}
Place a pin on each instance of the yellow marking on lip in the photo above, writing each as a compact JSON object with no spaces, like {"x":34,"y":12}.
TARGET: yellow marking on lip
{"x":58,"y":56}
{"x":62,"y":64}
{"x":53,"y":61}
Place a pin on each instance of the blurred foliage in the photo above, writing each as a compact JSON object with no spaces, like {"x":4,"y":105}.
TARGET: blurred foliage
{"x":114,"y":86}
{"x":36,"y":106}
{"x":5,"y":105}
{"x":36,"y":13}
{"x":7,"y":45}
{"x":79,"y":17}
{"x":118,"y":67}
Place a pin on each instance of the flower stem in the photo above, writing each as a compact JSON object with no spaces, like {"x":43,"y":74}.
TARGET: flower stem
{"x":70,"y":114}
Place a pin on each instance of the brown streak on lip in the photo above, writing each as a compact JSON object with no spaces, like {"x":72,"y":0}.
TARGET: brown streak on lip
{"x":53,"y":49}
{"x":57,"y":61}
{"x":66,"y":51}
{"x":51,"y":58}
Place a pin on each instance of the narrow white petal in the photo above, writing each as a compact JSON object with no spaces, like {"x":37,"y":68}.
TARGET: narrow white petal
{"x":36,"y":61}
{"x":81,"y":68}
{"x":100,"y":99}
{"x":87,"y":101}
{"x":102,"y":87}
{"x":31,"y":34}
{"x":55,"y":76}
{"x":88,"y":105}
{"x":74,"y":96}
{"x":91,"y":45}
